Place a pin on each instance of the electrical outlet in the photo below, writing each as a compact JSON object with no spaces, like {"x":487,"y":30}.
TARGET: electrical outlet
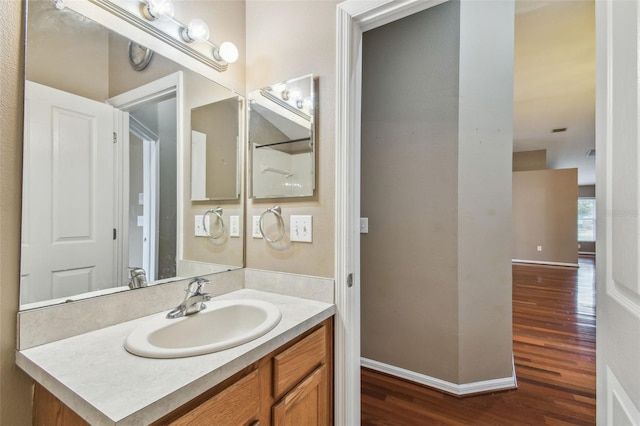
{"x":301,"y":228}
{"x":199,"y":229}
{"x":364,"y":225}
{"x":234,"y":226}
{"x":539,"y":248}
{"x":256,"y":227}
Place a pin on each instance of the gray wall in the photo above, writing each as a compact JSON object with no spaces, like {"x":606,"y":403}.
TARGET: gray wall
{"x":436,"y":183}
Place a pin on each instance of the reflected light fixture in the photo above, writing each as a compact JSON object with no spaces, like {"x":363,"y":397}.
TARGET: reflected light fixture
{"x":158,"y":9}
{"x":227,"y":52}
{"x":196,"y":31}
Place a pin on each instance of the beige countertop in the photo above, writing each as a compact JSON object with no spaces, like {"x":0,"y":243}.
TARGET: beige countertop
{"x":96,"y":377}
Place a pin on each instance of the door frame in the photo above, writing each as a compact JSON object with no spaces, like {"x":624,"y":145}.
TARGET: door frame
{"x":155,"y":91}
{"x":353,"y":18}
{"x":151,"y":165}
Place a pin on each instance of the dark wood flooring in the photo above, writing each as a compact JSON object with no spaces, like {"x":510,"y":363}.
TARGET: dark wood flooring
{"x":554,"y":342}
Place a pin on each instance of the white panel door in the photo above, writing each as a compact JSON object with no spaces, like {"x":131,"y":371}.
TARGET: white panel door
{"x":68,"y":195}
{"x":618,"y":204}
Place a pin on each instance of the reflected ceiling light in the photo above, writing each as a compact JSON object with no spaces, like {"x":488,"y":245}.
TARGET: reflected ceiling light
{"x":227,"y":52}
{"x":197,"y":30}
{"x":158,"y":9}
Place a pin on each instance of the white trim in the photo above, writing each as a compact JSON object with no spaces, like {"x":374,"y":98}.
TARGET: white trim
{"x":617,"y":391}
{"x":352,"y":18}
{"x":463,"y":389}
{"x":592,"y":253}
{"x":544,"y":262}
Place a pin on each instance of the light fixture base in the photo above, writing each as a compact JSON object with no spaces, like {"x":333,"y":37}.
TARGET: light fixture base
{"x":146,"y":13}
{"x":184,"y":33}
{"x":216,"y":55}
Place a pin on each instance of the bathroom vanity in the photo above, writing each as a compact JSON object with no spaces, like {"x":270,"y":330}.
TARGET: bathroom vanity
{"x":279,"y":378}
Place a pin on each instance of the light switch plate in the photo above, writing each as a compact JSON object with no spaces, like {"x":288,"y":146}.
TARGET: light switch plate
{"x":256,"y":227}
{"x":234,"y":226}
{"x":364,"y":225}
{"x":539,"y":248}
{"x":301,"y":228}
{"x":199,"y":230}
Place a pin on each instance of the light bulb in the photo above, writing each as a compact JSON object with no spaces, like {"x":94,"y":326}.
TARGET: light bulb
{"x":197,"y":30}
{"x":158,"y":9}
{"x":227,"y":52}
{"x":294,"y":94}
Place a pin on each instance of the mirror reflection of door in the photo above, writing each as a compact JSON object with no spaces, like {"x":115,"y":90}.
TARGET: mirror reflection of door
{"x":68,"y":195}
{"x":152,"y":235}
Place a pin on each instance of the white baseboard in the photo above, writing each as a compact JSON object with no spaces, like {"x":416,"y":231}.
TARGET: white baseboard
{"x":593,"y":253}
{"x":544,"y":262}
{"x":448,"y":387}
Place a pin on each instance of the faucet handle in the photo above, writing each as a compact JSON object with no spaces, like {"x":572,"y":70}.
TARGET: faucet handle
{"x":195,"y":286}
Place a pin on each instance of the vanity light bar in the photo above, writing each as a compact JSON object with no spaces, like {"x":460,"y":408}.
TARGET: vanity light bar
{"x":217,"y":60}
{"x":196,"y":30}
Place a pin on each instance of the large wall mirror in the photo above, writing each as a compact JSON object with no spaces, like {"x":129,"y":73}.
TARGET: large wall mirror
{"x":282,"y":139}
{"x":107,"y":180}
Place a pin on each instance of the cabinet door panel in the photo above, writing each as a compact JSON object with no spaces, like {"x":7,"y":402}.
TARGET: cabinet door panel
{"x":238,"y":404}
{"x":306,"y":404}
{"x":292,"y":365}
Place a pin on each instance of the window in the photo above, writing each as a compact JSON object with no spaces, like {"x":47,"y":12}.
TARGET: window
{"x":586,"y":219}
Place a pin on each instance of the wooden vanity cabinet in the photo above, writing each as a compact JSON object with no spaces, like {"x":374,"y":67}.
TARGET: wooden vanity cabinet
{"x":291,"y":386}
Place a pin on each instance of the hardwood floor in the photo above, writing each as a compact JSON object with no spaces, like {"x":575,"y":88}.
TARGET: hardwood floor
{"x":554,"y":341}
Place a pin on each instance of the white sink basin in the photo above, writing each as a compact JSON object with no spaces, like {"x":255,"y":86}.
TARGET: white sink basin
{"x":222,"y":325}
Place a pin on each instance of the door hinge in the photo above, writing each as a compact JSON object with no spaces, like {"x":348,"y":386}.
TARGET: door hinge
{"x":115,"y":137}
{"x":350,"y":280}
{"x":115,"y":233}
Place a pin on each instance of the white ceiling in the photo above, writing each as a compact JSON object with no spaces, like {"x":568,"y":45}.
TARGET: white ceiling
{"x":555,"y":82}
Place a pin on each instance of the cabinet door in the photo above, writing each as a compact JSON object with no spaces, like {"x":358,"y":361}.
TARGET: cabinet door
{"x":306,"y":404}
{"x":236,"y":405}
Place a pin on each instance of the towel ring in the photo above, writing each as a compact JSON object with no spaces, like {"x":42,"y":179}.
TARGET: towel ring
{"x":278,"y":213}
{"x":218,"y":212}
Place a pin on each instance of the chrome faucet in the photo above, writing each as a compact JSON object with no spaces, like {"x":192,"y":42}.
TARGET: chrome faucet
{"x":193,"y":301}
{"x":138,"y":277}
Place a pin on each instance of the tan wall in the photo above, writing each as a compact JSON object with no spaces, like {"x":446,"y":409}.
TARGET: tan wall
{"x":15,"y":386}
{"x":530,"y":160}
{"x":436,"y":185}
{"x":226,"y":250}
{"x":230,"y":251}
{"x":53,"y":47}
{"x":544,"y":214}
{"x":198,"y":91}
{"x":305,"y":45}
